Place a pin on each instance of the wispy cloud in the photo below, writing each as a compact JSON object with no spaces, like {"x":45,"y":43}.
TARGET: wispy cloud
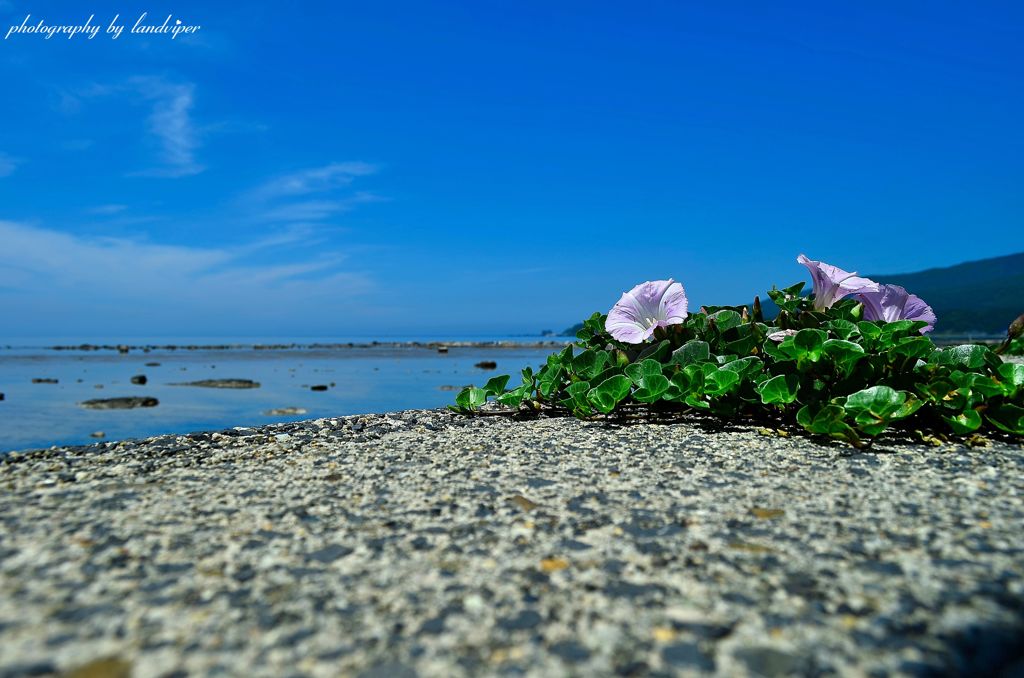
{"x":106,"y":210}
{"x":314,"y":180}
{"x":7,"y":165}
{"x":171,"y":123}
{"x":103,"y":282}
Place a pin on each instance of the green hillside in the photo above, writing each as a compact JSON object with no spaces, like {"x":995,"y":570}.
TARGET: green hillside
{"x":971,"y":298}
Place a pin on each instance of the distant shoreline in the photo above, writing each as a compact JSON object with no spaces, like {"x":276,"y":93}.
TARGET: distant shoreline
{"x":432,"y":345}
{"x":554,"y":342}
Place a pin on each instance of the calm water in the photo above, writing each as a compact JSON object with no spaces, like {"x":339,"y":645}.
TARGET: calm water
{"x":373,"y":379}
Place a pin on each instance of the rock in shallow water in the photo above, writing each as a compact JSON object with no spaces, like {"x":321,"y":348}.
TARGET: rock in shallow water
{"x":220,"y":383}
{"x":285,"y":411}
{"x":119,"y":403}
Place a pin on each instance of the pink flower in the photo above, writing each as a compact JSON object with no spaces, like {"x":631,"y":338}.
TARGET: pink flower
{"x":891,"y":303}
{"x":832,"y":284}
{"x":646,"y":307}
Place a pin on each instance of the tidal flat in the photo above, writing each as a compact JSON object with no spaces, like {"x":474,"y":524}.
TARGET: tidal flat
{"x":432,"y":544}
{"x":71,"y":394}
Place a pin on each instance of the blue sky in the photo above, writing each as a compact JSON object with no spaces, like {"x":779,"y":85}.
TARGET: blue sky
{"x":382,"y":168}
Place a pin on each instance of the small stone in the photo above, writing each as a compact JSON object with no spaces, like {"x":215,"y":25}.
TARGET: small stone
{"x":523,"y":503}
{"x":527,"y":619}
{"x":687,"y":655}
{"x":768,"y":661}
{"x":433,"y":626}
{"x":329,"y":553}
{"x":389,"y":670}
{"x":767,"y":513}
{"x":571,"y":651}
{"x":107,"y":667}
{"x":664,"y":634}
{"x":553,"y":564}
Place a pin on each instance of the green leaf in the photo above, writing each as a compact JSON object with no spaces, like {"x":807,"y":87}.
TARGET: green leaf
{"x":844,"y":329}
{"x":590,"y":363}
{"x":550,"y":379}
{"x":471,"y":398}
{"x":609,"y":393}
{"x":913,"y":347}
{"x":876,"y":407}
{"x":1007,"y":417}
{"x":659,"y":352}
{"x":828,"y":420}
{"x":879,"y":400}
{"x":809,"y":344}
{"x":869,"y":329}
{"x":638,"y":372}
{"x":844,"y":354}
{"x":1012,"y":376}
{"x":726,"y":320}
{"x":654,"y":386}
{"x":496,"y":385}
{"x":779,"y":390}
{"x":968,"y":356}
{"x":721,"y":381}
{"x":576,"y":399}
{"x":516,"y":396}
{"x":693,"y":351}
{"x":967,"y":422}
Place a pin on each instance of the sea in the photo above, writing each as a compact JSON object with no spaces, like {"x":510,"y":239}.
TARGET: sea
{"x":43,"y":388}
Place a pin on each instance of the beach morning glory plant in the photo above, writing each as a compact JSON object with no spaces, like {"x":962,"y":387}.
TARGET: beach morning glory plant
{"x":832,"y":283}
{"x":849,"y":363}
{"x":645,"y":308}
{"x":890,"y":303}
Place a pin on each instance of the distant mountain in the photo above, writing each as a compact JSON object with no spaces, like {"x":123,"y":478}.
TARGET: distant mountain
{"x":976,"y":297}
{"x":973,"y":298}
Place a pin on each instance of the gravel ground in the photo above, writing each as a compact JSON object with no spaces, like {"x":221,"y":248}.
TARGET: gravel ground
{"x":424,"y":543}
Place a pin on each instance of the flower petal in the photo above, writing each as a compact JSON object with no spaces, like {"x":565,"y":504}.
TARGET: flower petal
{"x":644,"y":308}
{"x":890,"y":303}
{"x":832,"y":283}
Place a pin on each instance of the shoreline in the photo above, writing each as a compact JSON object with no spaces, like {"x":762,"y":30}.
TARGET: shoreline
{"x":433,"y":345}
{"x":427,"y":543}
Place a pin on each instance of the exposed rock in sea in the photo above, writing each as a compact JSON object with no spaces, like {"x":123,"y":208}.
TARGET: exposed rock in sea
{"x":220,"y":383}
{"x":119,"y":403}
{"x":318,"y":387}
{"x":139,"y":379}
{"x":487,"y":365}
{"x":152,"y":364}
{"x":97,"y":434}
{"x":41,"y":380}
{"x":284,"y":411}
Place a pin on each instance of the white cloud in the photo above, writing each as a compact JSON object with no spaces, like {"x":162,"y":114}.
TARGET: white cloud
{"x":315,"y":180}
{"x":107,"y":209}
{"x":103,"y":284}
{"x":7,"y":165}
{"x":171,"y":123}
